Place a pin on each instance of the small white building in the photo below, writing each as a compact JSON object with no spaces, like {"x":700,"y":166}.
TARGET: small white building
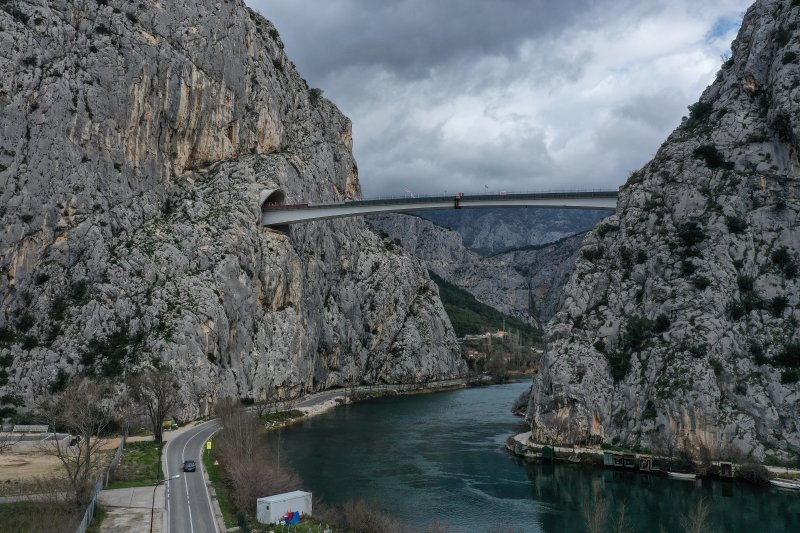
{"x":272,"y":509}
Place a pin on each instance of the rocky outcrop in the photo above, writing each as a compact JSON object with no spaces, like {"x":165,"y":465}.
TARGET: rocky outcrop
{"x":136,"y":140}
{"x":679,"y":324}
{"x":524,"y":283}
{"x":493,"y":231}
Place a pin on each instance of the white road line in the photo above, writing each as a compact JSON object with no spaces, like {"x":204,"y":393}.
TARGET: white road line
{"x":165,"y":466}
{"x":186,"y":485}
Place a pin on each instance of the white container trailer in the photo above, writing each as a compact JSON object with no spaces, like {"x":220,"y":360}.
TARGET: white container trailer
{"x":272,"y":509}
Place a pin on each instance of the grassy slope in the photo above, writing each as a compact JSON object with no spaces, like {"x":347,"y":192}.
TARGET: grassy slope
{"x":140,"y":466}
{"x":221,"y":490}
{"x":39,"y":517}
{"x":470,"y":317}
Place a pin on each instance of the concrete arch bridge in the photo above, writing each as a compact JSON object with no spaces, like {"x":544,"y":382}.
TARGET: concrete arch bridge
{"x":275,"y":212}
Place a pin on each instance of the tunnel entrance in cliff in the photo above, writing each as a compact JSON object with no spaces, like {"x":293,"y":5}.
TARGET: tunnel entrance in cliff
{"x":271,"y":197}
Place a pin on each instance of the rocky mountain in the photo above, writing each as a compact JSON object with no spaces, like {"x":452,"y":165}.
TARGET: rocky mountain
{"x":524,"y":283}
{"x":679,"y":324}
{"x":137,"y":141}
{"x":492,"y":231}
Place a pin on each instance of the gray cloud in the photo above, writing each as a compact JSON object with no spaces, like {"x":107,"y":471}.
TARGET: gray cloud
{"x":410,"y":37}
{"x":514,"y":94}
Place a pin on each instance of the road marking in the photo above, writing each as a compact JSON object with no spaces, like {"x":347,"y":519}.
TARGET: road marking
{"x":186,"y":485}
{"x":198,"y":432}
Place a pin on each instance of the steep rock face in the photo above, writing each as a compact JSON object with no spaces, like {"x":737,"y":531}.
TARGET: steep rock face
{"x":523,"y":283}
{"x":136,"y":140}
{"x":678,"y":326}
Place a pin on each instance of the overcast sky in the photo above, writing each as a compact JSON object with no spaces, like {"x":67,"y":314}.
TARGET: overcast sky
{"x":514,"y":95}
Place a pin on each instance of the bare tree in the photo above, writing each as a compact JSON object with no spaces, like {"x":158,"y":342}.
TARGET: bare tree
{"x":85,"y":410}
{"x":249,"y":467}
{"x":8,"y":442}
{"x":156,"y":390}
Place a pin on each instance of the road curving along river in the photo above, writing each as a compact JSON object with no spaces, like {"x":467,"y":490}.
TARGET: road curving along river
{"x":441,"y":457}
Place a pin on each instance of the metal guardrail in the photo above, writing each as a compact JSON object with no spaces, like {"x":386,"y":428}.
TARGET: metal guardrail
{"x":100,"y":485}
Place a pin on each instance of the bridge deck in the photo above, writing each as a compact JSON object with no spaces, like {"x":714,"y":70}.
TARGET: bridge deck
{"x":280,"y":215}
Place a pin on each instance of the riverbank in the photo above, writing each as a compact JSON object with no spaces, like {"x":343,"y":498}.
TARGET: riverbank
{"x":315,"y":404}
{"x":522,"y":446}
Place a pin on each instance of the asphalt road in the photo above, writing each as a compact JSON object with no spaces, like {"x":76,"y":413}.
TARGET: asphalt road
{"x":188,"y":502}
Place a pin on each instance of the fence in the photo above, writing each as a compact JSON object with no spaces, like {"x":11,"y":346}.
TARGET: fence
{"x":101,"y":484}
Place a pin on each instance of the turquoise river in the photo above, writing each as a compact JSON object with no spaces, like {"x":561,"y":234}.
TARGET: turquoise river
{"x":441,"y":457}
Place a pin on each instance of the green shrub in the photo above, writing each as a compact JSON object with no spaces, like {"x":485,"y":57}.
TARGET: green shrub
{"x":315,"y":95}
{"x":701,"y":282}
{"x":691,"y":233}
{"x":662,"y":323}
{"x":25,"y":323}
{"x":604,"y":229}
{"x":712,"y":157}
{"x":79,"y":290}
{"x":777,"y":305}
{"x":592,"y":254}
{"x":757,"y":351}
{"x":14,"y":12}
{"x":638,"y":331}
{"x":600,"y":346}
{"x":736,"y":224}
{"x":717,"y":366}
{"x":30,"y":61}
{"x":782,"y":37}
{"x":698,"y":352}
{"x":619,"y":363}
{"x":60,"y":381}
{"x":783,"y":259}
{"x":699,"y":112}
{"x":789,"y":356}
{"x":29,"y":342}
{"x":745,"y":283}
{"x":649,"y":412}
{"x":641,"y":257}
{"x":789,"y":57}
{"x":687,"y":268}
{"x":790,"y":375}
{"x":7,"y":335}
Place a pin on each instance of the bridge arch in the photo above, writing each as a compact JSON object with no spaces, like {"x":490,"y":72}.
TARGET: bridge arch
{"x":275,"y":214}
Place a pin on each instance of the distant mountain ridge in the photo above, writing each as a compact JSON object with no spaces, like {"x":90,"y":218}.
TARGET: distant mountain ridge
{"x":493,"y":231}
{"x":524,"y":283}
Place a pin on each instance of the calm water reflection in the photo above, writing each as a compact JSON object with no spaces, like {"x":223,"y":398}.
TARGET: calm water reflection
{"x":442,"y":457}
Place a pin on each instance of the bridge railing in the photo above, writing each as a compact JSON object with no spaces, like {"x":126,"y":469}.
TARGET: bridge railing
{"x":383,"y":200}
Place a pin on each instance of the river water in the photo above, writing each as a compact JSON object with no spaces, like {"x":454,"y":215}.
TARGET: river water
{"x":441,"y":457}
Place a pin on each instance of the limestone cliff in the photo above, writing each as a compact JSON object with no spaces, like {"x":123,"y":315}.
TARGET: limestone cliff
{"x":679,"y":324}
{"x":135,"y":142}
{"x":524,"y":283}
